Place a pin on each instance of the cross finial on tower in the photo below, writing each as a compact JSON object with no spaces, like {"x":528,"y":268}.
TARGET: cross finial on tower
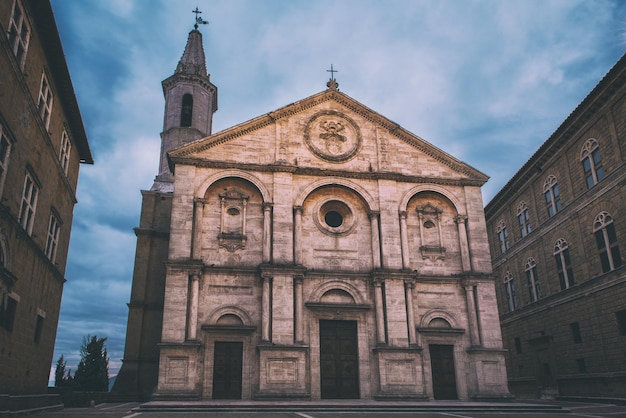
{"x":198,"y":18}
{"x":332,"y":83}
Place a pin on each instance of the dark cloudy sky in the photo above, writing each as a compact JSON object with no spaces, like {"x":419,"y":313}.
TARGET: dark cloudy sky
{"x":485,"y":80}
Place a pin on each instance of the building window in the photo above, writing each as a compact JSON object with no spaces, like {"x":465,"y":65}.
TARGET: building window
{"x":54,"y":227}
{"x":45,"y":100}
{"x":64,"y":152}
{"x":563,"y":264}
{"x":5,"y":150}
{"x":551,"y":193}
{"x":509,"y":289}
{"x":518,"y":345}
{"x":186,"y":111}
{"x":620,"y":316}
{"x":592,"y":162}
{"x":606,"y":239}
{"x":534,"y":290}
{"x":19,"y":34}
{"x":582,"y":367}
{"x":575,"y":328}
{"x":8,"y":307}
{"x":29,"y":203}
{"x":38,"y":328}
{"x":523,"y":218}
{"x":503,"y":237}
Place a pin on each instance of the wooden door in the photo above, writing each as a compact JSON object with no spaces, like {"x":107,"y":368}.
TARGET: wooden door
{"x":442,"y":366}
{"x":227,"y":370}
{"x":339,"y":360}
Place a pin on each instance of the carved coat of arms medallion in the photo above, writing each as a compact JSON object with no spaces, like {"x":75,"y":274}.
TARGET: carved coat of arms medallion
{"x":332,"y":136}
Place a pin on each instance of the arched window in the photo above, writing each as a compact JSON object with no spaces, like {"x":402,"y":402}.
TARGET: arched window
{"x":503,"y":237}
{"x":551,"y":193}
{"x":563,"y":264}
{"x":523,"y":218}
{"x":509,"y":289}
{"x":606,"y":239}
{"x":534,"y":290}
{"x":592,"y":162}
{"x":186,"y":111}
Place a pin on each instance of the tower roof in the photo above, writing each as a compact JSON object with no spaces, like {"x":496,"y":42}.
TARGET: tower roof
{"x":193,"y":61}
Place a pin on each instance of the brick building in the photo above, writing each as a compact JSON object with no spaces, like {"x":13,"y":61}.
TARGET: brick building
{"x":557,"y":233}
{"x":42,"y":144}
{"x":317,"y":251}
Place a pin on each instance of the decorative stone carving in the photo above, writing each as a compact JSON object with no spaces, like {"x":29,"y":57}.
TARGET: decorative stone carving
{"x":430,"y":232}
{"x":233,"y":206}
{"x":332,"y":136}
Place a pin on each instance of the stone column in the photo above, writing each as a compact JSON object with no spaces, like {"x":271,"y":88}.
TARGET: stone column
{"x":404,"y":240}
{"x":375,"y":239}
{"x":408,"y":291}
{"x":267,"y":227}
{"x":299,"y":319}
{"x":471,"y":315}
{"x":196,"y":233}
{"x":266,"y":307}
{"x":463,"y":242}
{"x":380,"y":315}
{"x":297,"y":235}
{"x":192,"y":319}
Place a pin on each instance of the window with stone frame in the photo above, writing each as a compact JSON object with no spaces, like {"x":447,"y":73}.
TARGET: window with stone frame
{"x":563,"y":264}
{"x":65,"y":150}
{"x":552,"y":195}
{"x":44,"y":103}
{"x":5,"y":151}
{"x":38,"y":328}
{"x":592,"y":162}
{"x":534,"y":289}
{"x":503,"y":237}
{"x":620,"y":317}
{"x":523,"y":218}
{"x":509,"y":291}
{"x":186,"y":112}
{"x":8,"y":308}
{"x":52,"y":242}
{"x":606,"y":240}
{"x":575,"y":329}
{"x":19,"y":33}
{"x":28,"y":206}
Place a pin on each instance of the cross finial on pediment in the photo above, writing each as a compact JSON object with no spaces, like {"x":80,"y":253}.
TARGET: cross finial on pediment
{"x":332,"y":83}
{"x":199,"y":20}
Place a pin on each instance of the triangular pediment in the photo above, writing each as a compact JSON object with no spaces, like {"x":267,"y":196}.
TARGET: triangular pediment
{"x":328,"y":131}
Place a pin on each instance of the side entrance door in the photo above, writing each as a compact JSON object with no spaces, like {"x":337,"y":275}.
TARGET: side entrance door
{"x":339,"y":360}
{"x":442,"y":365}
{"x":227,"y":370}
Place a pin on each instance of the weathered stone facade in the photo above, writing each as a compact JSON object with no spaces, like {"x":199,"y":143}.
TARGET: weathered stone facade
{"x":561,"y":294}
{"x":319,"y":251}
{"x":42,"y":144}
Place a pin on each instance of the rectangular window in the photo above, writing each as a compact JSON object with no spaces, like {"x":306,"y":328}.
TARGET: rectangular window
{"x":45,"y":101}
{"x":29,"y":204}
{"x":524,"y":223}
{"x":5,"y":150}
{"x":582,"y":367}
{"x":620,"y":316}
{"x":64,"y":152}
{"x":8,"y":314}
{"x":575,"y":328}
{"x":534,"y":290}
{"x":19,"y":34}
{"x":518,"y":345}
{"x":54,"y":226}
{"x":38,"y":329}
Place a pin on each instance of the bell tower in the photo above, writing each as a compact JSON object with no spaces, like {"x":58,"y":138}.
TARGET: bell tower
{"x":190,"y":101}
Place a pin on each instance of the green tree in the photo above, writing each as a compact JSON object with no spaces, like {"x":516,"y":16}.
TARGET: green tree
{"x":60,"y":378}
{"x":92,"y":373}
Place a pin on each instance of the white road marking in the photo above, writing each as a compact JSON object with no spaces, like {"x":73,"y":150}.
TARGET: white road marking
{"x":116,"y":406}
{"x":136,"y":414}
{"x":303,"y":415}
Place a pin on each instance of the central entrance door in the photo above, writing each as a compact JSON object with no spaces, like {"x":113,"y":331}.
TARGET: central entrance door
{"x":227,"y":370}
{"x":442,"y":365}
{"x":339,"y":360}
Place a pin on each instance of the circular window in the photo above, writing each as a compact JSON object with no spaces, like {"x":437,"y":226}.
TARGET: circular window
{"x":334,"y":217}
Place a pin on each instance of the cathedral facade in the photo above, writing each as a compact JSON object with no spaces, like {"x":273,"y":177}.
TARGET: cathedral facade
{"x":317,"y":251}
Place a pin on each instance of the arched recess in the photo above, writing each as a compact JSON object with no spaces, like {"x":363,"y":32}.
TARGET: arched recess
{"x":213,"y":317}
{"x":372,"y":205}
{"x":320,"y":291}
{"x":435,"y":314}
{"x":200,"y":191}
{"x":460,"y":209}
